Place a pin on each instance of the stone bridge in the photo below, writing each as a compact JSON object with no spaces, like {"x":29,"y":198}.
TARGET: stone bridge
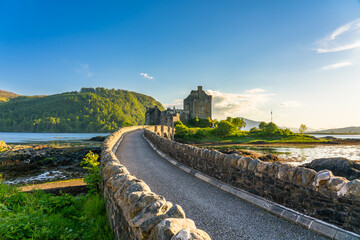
{"x":156,"y":188}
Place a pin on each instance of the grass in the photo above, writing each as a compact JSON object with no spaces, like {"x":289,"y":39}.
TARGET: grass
{"x":249,"y":139}
{"x":38,"y":215}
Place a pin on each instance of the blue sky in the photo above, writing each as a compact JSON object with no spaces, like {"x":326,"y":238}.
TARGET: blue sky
{"x":299,"y":58}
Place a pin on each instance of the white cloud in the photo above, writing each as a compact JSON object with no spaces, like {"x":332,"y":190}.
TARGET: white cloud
{"x":146,"y":75}
{"x":84,"y":69}
{"x":346,"y":37}
{"x":231,"y":104}
{"x":291,"y":103}
{"x":255,"y":90}
{"x":178,"y":104}
{"x":336,"y":65}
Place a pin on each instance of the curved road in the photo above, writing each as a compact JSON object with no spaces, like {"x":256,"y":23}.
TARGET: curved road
{"x":221,"y":215}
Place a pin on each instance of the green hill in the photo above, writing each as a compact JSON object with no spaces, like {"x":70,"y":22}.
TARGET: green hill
{"x":90,"y":110}
{"x":346,"y":130}
{"x":5,"y":96}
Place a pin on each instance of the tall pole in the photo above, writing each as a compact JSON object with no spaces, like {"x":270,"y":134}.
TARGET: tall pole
{"x":271,"y":116}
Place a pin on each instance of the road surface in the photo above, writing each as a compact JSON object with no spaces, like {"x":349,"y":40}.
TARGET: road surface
{"x":220,"y":214}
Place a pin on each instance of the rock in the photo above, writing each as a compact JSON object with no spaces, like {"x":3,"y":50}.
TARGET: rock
{"x":322,"y":178}
{"x":175,"y":211}
{"x":336,"y":183}
{"x":169,"y":227}
{"x":244,"y":162}
{"x":136,"y":187}
{"x":353,"y":188}
{"x":307,"y":176}
{"x":303,"y":176}
{"x":158,"y":207}
{"x":191,"y":234}
{"x":97,"y":138}
{"x":252,"y":164}
{"x":145,"y":199}
{"x":339,"y":166}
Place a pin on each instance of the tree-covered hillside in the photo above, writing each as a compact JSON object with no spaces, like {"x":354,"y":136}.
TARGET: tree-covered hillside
{"x":90,"y":110}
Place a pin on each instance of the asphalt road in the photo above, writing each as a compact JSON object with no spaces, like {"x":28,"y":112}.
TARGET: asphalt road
{"x":221,"y":215}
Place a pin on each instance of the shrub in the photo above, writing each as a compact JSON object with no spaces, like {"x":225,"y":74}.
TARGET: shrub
{"x":199,"y":122}
{"x":181,"y":131}
{"x":92,"y":165}
{"x":225,"y":129}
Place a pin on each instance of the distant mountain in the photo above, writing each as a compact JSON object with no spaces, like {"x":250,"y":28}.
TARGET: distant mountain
{"x":346,"y":130}
{"x":250,"y":124}
{"x":90,"y":110}
{"x":5,"y":96}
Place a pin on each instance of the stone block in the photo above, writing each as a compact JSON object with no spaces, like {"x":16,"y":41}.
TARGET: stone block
{"x":336,"y":183}
{"x":158,"y":207}
{"x":282,"y":171}
{"x":169,"y":227}
{"x":322,"y":178}
{"x":351,"y":188}
{"x":244,"y":162}
{"x":323,"y":228}
{"x":136,"y":187}
{"x":191,"y":234}
{"x":174,"y":212}
{"x":252,"y":164}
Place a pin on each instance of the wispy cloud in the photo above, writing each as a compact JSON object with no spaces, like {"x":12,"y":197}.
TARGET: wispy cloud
{"x":85,"y":70}
{"x":291,"y":103}
{"x":255,"y":90}
{"x":336,"y":65}
{"x":231,"y":104}
{"x":346,"y":37}
{"x":146,"y":75}
{"x":178,"y":104}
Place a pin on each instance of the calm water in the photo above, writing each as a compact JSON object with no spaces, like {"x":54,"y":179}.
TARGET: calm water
{"x":294,"y":155}
{"x":301,"y":155}
{"x":29,"y":138}
{"x":304,"y":154}
{"x":337,"y":136}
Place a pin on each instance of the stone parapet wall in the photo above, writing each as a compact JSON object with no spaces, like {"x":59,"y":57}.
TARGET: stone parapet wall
{"x":134,"y":211}
{"x":318,"y":194}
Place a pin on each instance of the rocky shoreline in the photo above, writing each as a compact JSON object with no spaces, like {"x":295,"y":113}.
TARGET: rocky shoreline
{"x":25,"y":164}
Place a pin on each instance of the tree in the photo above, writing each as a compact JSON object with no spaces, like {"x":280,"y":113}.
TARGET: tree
{"x":225,"y":129}
{"x":262,"y":125}
{"x":302,"y":129}
{"x":238,"y":122}
{"x":271,"y":128}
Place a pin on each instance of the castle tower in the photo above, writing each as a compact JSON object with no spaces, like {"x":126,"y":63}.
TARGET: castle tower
{"x":198,"y":104}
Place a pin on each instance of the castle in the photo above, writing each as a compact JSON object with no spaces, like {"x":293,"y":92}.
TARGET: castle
{"x":196,"y":105}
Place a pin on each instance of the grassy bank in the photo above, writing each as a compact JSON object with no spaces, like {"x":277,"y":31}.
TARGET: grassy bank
{"x":227,"y":133}
{"x":38,"y":215}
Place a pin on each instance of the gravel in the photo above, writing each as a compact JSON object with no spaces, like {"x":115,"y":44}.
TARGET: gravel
{"x":221,"y":215}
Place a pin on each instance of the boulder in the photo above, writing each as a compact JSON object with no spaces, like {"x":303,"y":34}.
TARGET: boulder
{"x":339,"y":166}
